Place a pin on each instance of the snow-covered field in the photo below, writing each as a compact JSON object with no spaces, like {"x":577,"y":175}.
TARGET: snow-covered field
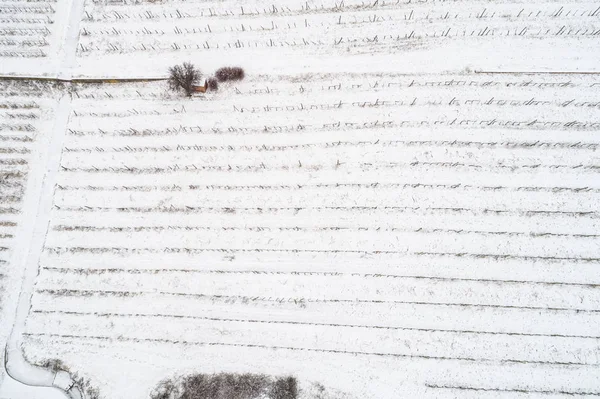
{"x":134,"y":38}
{"x":37,"y":36}
{"x":27,"y":114}
{"x":301,"y":231}
{"x":373,"y":208}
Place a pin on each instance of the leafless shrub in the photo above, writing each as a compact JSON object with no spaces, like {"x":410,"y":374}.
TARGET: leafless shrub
{"x":229,"y":73}
{"x":183,"y":77}
{"x":223,"y":386}
{"x":54,"y":365}
{"x":166,"y":390}
{"x":84,"y":384}
{"x":284,"y":388}
{"x":91,"y":392}
{"x":226,"y":386}
{"x":213,"y":84}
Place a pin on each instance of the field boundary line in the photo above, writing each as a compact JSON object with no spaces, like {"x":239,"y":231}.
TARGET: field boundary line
{"x":86,"y":228}
{"x":122,"y":250}
{"x":516,"y":390}
{"x":194,"y":147}
{"x":537,"y":72}
{"x":338,"y":351}
{"x":308,"y":273}
{"x":300,"y":301}
{"x":199,"y":209}
{"x":111,"y":314}
{"x":79,"y":80}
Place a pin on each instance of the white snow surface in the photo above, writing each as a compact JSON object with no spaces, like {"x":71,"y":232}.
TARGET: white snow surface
{"x":399,"y":201}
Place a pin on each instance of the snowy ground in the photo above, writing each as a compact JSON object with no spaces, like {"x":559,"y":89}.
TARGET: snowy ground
{"x":462,"y":255}
{"x":27,"y":113}
{"x":367,"y":210}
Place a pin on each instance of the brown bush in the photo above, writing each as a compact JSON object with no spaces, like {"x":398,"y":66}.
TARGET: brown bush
{"x":229,"y":73}
{"x":213,"y":84}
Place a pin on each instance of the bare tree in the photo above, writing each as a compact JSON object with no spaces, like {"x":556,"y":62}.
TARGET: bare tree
{"x":182,"y":77}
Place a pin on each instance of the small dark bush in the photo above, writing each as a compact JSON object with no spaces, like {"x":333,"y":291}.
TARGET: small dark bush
{"x":213,"y":84}
{"x":183,"y":77}
{"x":229,"y":73}
{"x":165,"y":390}
{"x":284,"y":388}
